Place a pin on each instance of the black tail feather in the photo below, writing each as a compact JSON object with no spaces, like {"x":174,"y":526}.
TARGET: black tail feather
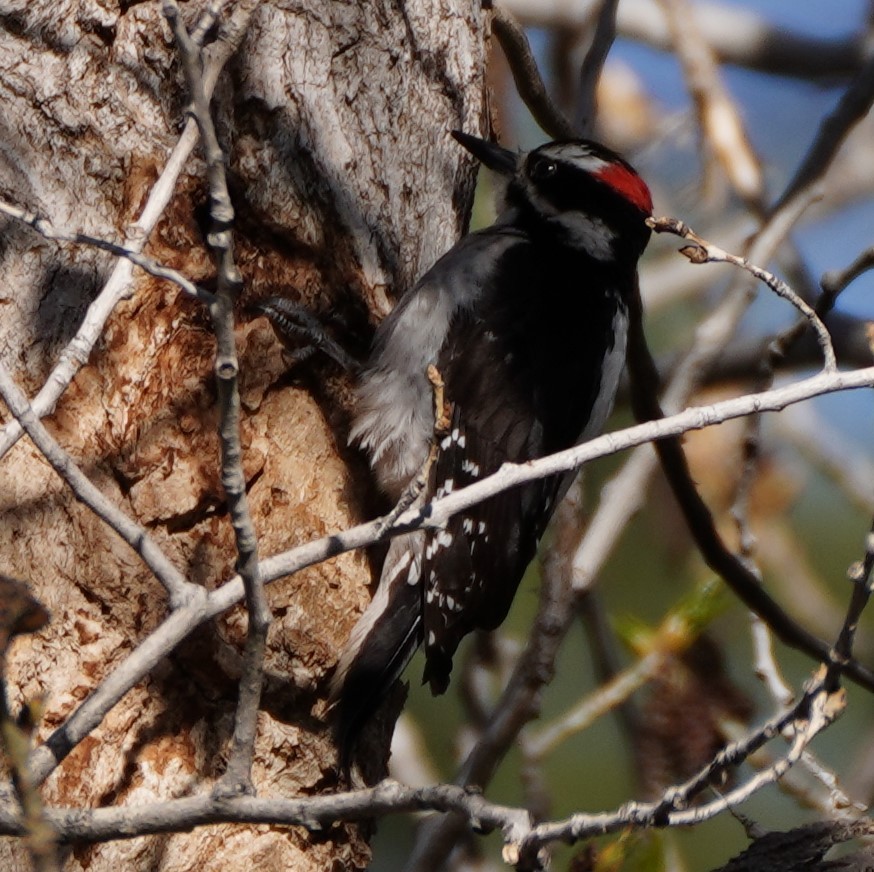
{"x":384,"y":653}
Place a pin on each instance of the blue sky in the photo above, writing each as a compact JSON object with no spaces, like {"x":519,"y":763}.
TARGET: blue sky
{"x":782,"y":115}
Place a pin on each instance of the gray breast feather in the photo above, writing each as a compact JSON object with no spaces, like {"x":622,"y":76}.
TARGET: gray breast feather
{"x":394,"y":416}
{"x":393,"y":425}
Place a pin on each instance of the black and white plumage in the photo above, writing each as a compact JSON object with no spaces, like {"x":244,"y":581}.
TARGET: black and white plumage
{"x":526,"y":323}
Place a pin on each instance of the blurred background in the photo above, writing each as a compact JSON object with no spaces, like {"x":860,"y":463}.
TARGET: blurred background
{"x":718,"y":157}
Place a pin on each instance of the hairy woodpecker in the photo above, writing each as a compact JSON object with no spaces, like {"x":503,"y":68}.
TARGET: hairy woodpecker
{"x":526,"y":323}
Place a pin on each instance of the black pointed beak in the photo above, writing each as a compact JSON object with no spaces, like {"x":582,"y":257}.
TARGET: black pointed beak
{"x":498,"y":159}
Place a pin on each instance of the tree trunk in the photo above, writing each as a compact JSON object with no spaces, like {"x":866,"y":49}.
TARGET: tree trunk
{"x":335,"y":119}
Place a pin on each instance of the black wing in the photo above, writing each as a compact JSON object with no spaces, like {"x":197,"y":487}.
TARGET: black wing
{"x":521,"y":387}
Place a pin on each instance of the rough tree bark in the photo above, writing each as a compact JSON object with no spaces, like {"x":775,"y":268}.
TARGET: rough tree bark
{"x":335,"y":119}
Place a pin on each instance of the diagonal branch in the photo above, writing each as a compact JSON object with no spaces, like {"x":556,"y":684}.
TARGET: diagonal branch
{"x":184,"y":621}
{"x":181,"y":591}
{"x":854,"y":105}
{"x":48,"y":231}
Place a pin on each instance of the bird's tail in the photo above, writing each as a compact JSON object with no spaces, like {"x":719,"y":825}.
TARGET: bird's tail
{"x":381,"y":644}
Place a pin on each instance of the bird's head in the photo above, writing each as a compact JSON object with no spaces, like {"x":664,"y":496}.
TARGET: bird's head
{"x":588,"y":196}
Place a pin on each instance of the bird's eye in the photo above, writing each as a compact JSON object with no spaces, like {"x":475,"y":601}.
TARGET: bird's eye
{"x":543,"y":169}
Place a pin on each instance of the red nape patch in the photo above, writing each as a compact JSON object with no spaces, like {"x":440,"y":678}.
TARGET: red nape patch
{"x":626,"y":182}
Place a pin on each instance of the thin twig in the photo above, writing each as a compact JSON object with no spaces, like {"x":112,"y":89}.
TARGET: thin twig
{"x":714,"y":334}
{"x":835,"y":281}
{"x":860,"y":576}
{"x":314,"y":813}
{"x":593,"y":64}
{"x":605,"y":698}
{"x":48,"y":231}
{"x":702,"y":251}
{"x":522,"y":841}
{"x":644,"y":380}
{"x":814,"y":712}
{"x":523,"y":66}
{"x":238,"y":776}
{"x":766,"y":666}
{"x":678,"y":630}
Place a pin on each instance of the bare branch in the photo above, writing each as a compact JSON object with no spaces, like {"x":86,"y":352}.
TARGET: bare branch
{"x":530,"y":85}
{"x":734,"y":34}
{"x":523,"y":842}
{"x":854,"y":105}
{"x":765,"y":663}
{"x":238,"y":777}
{"x":835,"y":281}
{"x":813,"y":713}
{"x":593,"y":63}
{"x":180,"y":590}
{"x":315,"y":813}
{"x":182,"y":622}
{"x":705,"y":252}
{"x":48,"y":231}
{"x":598,"y":703}
{"x":860,"y":575}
